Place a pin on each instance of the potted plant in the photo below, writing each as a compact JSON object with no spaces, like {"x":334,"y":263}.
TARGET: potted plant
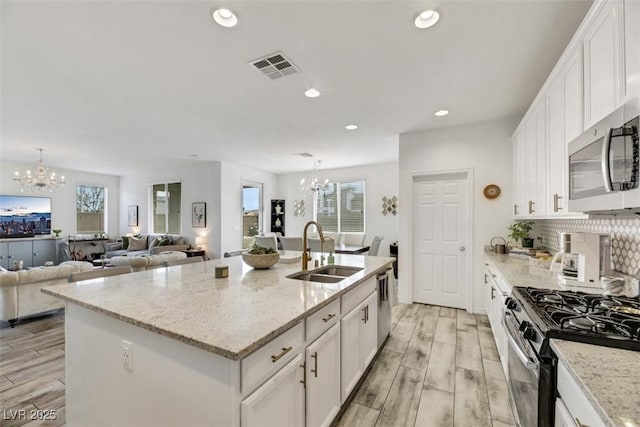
{"x":260,"y":257}
{"x":520,"y":231}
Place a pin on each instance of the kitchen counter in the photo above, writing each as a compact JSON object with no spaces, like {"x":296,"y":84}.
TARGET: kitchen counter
{"x":231,"y":317}
{"x":517,"y":272}
{"x":609,"y":378}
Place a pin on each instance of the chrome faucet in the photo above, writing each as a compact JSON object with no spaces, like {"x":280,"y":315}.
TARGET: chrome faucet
{"x":307,"y":257}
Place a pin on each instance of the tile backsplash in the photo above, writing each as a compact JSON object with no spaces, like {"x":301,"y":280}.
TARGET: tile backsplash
{"x":625,"y":238}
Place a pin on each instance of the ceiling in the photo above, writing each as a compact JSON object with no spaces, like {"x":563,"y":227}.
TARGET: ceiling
{"x":114,"y":87}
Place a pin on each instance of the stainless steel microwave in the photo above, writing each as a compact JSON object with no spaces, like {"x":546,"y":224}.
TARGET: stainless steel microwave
{"x":604,"y":163}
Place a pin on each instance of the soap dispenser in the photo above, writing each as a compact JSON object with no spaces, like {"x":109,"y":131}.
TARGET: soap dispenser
{"x":331,"y":258}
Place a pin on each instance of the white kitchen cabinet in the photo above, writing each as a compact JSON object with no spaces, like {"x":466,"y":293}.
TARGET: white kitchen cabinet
{"x":496,"y":294}
{"x":279,"y":402}
{"x":602,"y":70}
{"x":564,"y":111}
{"x":323,"y":378}
{"x":579,"y":411}
{"x":519,"y":174}
{"x":530,"y":165}
{"x":359,"y":329}
{"x":632,"y":48}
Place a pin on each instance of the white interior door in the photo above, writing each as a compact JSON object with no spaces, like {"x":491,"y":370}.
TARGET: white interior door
{"x":441,"y":236}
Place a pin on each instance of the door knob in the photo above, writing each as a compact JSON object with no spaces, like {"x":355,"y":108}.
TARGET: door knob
{"x":462,"y":248}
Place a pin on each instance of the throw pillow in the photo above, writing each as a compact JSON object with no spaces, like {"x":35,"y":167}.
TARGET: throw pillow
{"x":154,"y":242}
{"x":165,"y":241}
{"x":125,"y":242}
{"x":137,"y":244}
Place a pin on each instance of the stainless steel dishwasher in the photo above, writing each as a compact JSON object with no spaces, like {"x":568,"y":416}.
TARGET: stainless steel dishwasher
{"x":385,"y":287}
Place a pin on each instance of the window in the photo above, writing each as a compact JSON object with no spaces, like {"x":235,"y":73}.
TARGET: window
{"x":90,"y":208}
{"x":340,"y":208}
{"x":166,"y":202}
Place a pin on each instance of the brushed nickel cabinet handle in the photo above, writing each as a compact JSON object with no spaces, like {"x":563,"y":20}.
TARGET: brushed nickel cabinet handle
{"x":515,"y":209}
{"x":364,"y":314}
{"x":493,"y":293}
{"x":284,"y":351}
{"x":314,"y":356}
{"x":329,"y":317}
{"x":531,"y":206}
{"x":486,"y":278}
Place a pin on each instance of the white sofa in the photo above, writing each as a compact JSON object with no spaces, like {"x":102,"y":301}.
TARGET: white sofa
{"x":20,"y":294}
{"x":178,"y":243}
{"x":146,"y":262}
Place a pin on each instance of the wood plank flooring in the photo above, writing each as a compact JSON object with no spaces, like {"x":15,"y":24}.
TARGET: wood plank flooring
{"x":438,"y":368}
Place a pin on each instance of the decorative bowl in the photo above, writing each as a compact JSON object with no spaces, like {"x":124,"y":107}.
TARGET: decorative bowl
{"x":261,"y":262}
{"x":57,"y":232}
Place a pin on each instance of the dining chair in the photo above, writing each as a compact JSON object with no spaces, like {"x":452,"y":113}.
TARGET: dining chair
{"x":354,"y":239}
{"x":315,"y":245}
{"x":101,"y":272}
{"x":267,"y":242}
{"x":375,"y":245}
{"x":190,"y":260}
{"x":291,"y":243}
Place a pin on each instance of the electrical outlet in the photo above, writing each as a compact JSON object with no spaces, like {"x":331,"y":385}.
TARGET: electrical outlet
{"x":127,"y":355}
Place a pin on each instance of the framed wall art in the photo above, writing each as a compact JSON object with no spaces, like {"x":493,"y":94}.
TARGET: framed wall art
{"x":132,"y":215}
{"x":199,"y":214}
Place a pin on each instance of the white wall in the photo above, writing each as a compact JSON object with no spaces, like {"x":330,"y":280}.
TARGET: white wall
{"x":484,"y":148}
{"x":200,"y":183}
{"x":381,"y":180}
{"x":63,"y":200}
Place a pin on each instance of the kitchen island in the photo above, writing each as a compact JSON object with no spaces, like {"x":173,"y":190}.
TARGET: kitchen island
{"x":176,"y":346}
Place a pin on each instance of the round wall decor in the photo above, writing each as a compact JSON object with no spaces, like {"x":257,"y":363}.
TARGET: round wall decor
{"x":491,"y":191}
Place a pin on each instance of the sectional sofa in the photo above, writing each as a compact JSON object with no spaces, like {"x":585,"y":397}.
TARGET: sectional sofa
{"x":146,"y":245}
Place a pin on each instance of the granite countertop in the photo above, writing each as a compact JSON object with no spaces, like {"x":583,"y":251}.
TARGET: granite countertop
{"x":609,"y":377}
{"x":517,"y":272}
{"x":231,"y":317}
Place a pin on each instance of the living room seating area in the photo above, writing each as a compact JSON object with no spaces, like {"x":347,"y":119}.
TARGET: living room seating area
{"x":145,"y":245}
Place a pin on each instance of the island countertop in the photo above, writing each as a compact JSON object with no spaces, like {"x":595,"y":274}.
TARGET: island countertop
{"x":231,"y":317}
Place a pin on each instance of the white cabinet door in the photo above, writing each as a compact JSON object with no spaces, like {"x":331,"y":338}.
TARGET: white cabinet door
{"x":602,"y":63}
{"x":573,"y":102}
{"x":519,"y":174}
{"x":369,"y":335}
{"x":350,"y":344}
{"x":557,"y":148}
{"x":279,"y":402}
{"x":529,"y":166}
{"x":540,"y":173}
{"x":632,"y":47}
{"x":21,"y":251}
{"x":359,"y":342}
{"x":323,"y":378}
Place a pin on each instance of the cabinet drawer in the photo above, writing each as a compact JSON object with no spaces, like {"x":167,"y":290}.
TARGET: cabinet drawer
{"x":264,"y":362}
{"x":575,"y":399}
{"x":357,"y":295}
{"x":322,"y":320}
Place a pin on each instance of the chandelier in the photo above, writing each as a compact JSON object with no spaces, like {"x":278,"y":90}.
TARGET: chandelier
{"x":315,"y":185}
{"x":40,"y":180}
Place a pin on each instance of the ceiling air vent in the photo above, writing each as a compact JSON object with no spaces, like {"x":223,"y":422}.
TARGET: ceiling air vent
{"x":275,"y":65}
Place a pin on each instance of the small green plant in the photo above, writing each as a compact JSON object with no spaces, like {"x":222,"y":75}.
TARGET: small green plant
{"x":260,"y":250}
{"x":519,"y":231}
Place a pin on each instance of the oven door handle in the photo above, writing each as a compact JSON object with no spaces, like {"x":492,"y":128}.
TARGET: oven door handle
{"x":527,"y":361}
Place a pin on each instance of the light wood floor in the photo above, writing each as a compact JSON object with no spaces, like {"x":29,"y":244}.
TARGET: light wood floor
{"x":439,"y":368}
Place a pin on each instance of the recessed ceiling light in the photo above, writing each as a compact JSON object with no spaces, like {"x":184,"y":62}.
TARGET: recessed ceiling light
{"x":351,"y":127}
{"x":441,"y":113}
{"x":426,"y":19}
{"x":225,"y":18}
{"x":312,"y":93}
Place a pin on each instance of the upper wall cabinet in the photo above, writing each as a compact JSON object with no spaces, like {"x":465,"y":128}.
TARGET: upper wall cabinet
{"x":598,"y":72}
{"x":631,"y":11}
{"x":602,"y":71}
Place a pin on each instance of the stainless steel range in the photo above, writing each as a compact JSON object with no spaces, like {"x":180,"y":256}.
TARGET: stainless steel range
{"x":533,"y":316}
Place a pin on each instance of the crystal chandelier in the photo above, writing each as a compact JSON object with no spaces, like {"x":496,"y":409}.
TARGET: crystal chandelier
{"x":40,"y":180}
{"x":315,"y":185}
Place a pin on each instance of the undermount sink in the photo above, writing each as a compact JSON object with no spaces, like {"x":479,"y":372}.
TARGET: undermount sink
{"x":337,"y":270}
{"x":326,"y":274}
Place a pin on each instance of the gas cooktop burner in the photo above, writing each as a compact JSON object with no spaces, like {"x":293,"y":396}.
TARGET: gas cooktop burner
{"x":597,"y":319}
